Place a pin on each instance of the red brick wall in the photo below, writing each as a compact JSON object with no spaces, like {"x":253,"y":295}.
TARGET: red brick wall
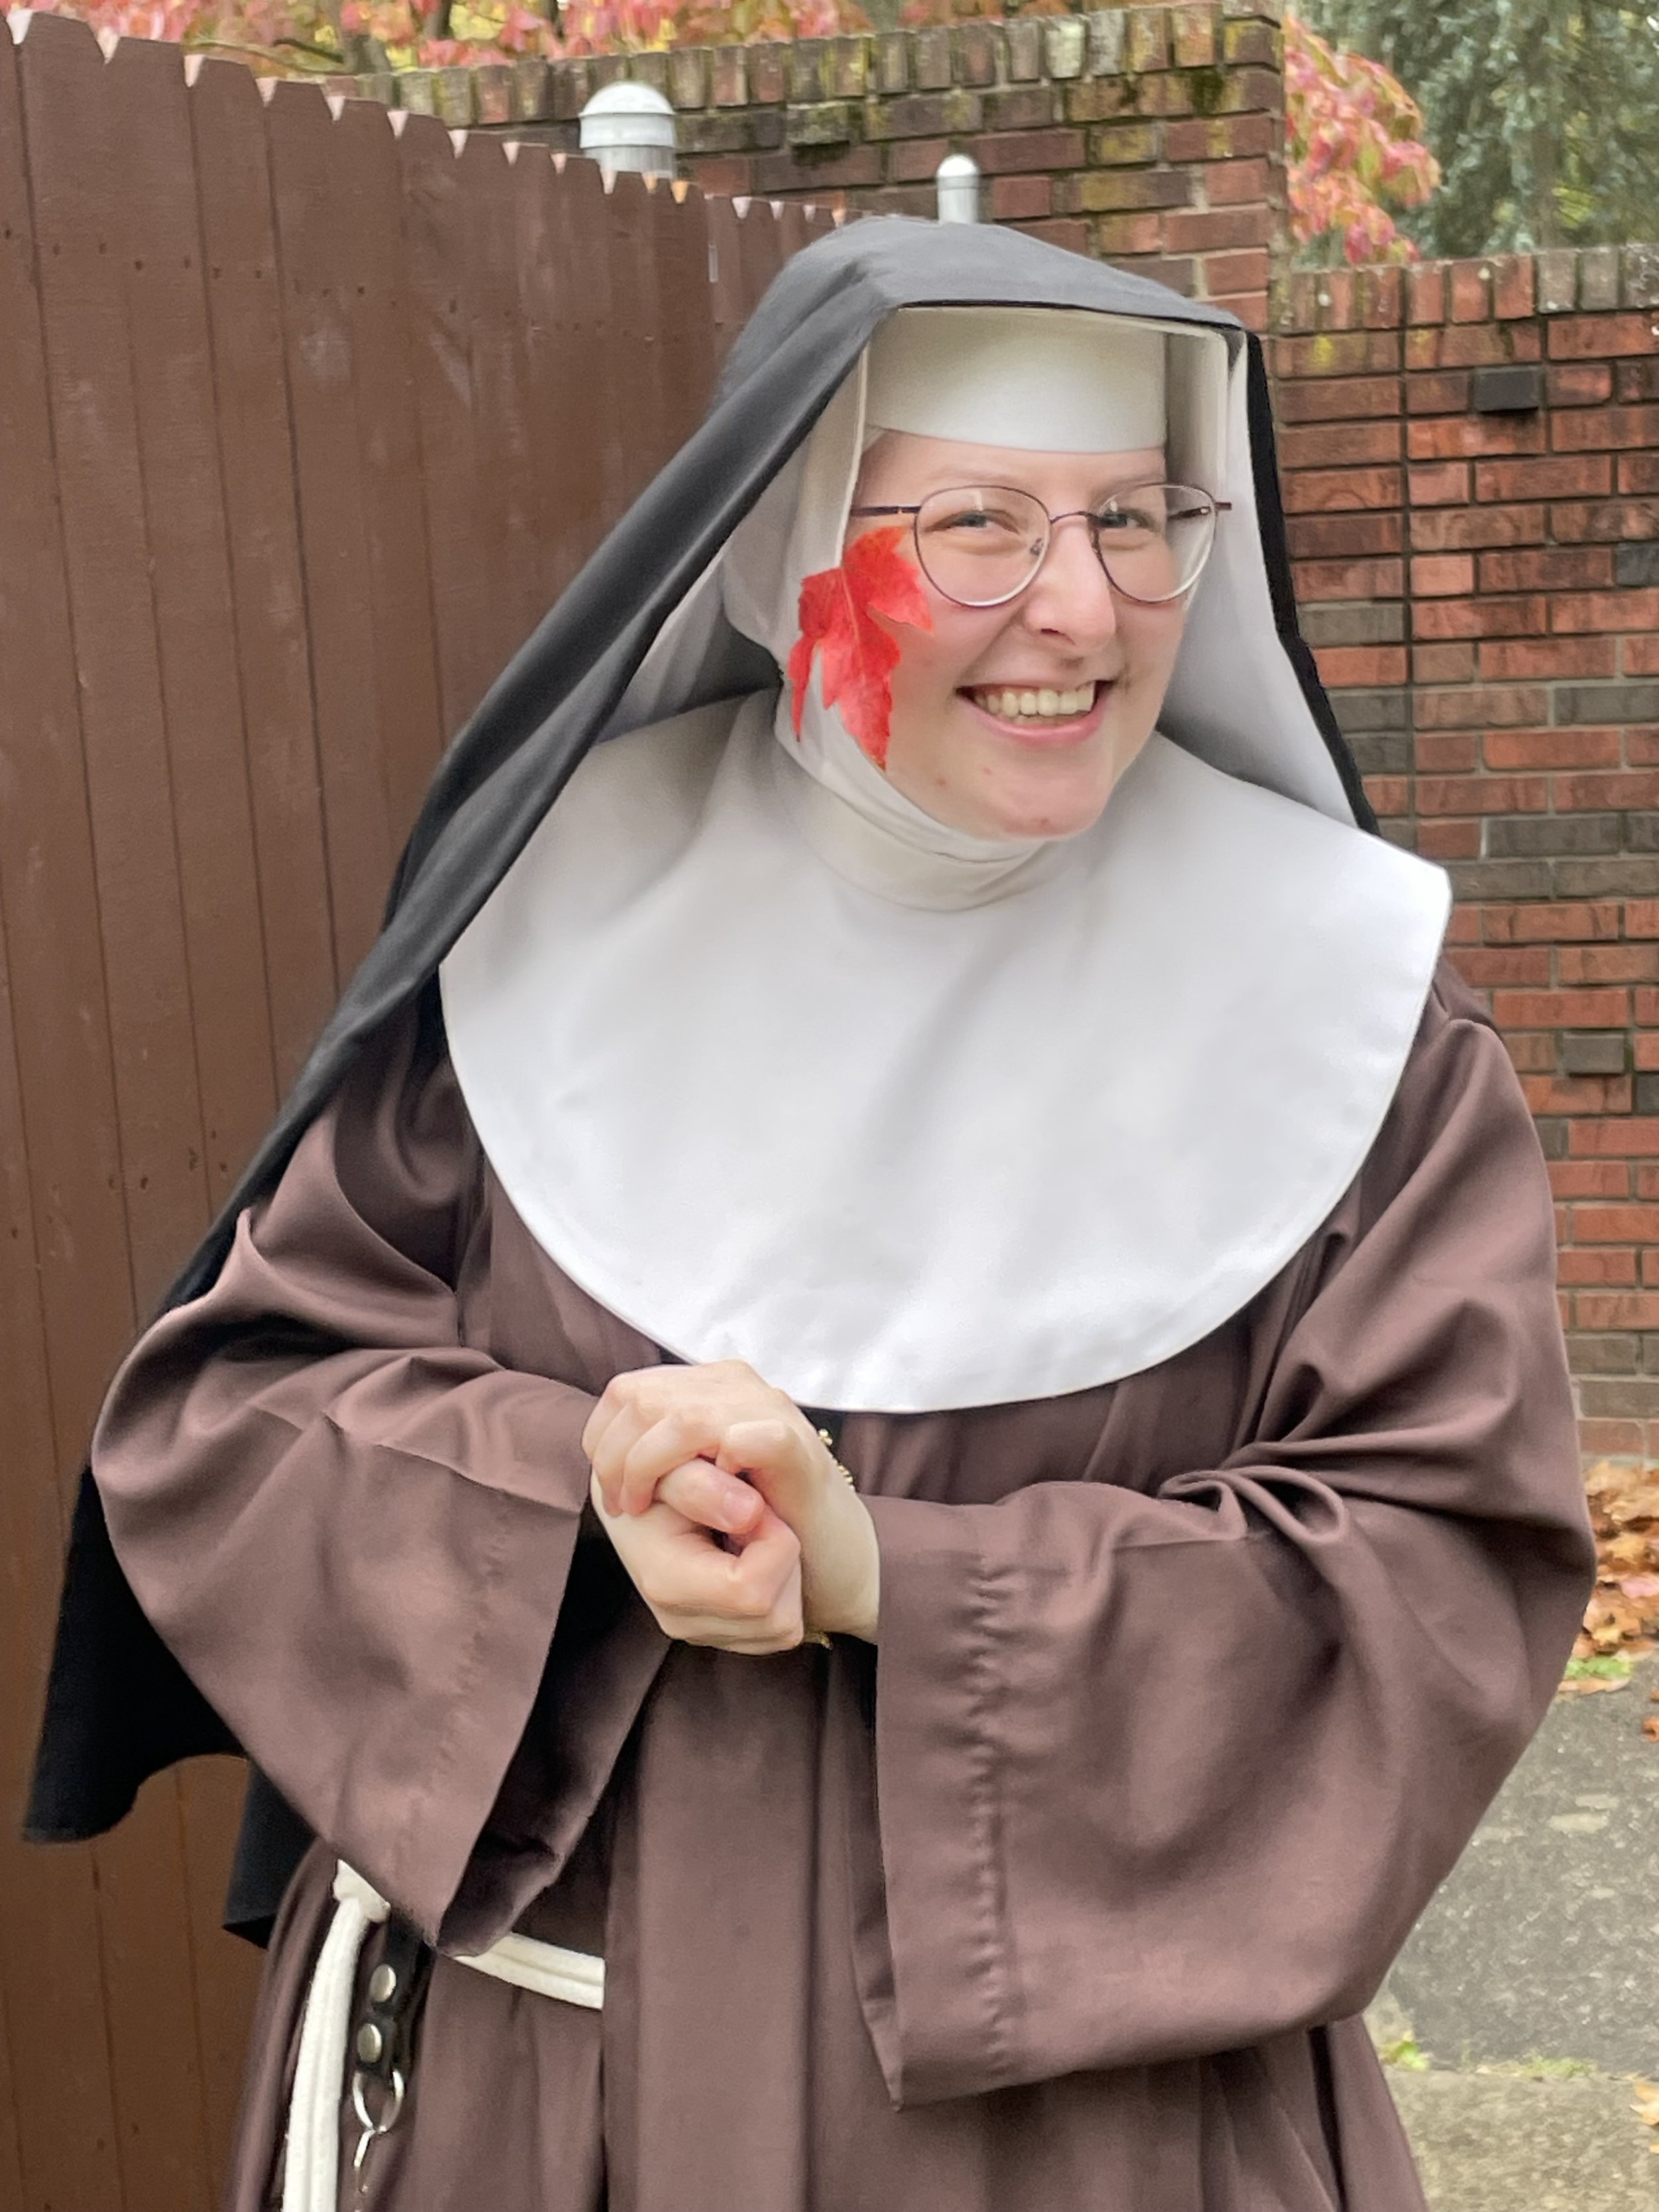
{"x":1482,"y":589}
{"x":1153,"y":136}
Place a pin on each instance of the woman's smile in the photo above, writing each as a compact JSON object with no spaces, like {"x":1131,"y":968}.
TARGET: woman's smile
{"x":1040,"y":712}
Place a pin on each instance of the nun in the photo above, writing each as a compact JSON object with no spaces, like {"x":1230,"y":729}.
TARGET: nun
{"x":879,"y":1467}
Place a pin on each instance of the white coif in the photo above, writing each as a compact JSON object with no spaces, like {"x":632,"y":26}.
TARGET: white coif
{"x":765,"y":1085}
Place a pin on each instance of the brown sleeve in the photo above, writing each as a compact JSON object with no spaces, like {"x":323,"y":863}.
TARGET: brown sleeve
{"x":1159,"y":1776}
{"x":351,"y":1527}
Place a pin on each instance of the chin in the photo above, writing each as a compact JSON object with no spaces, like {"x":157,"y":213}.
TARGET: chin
{"x":1035,"y":805}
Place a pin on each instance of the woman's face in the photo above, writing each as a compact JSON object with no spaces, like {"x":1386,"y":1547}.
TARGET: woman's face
{"x":956,"y":750}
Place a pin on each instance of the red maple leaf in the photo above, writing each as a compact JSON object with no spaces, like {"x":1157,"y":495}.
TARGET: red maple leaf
{"x":838,"y":607}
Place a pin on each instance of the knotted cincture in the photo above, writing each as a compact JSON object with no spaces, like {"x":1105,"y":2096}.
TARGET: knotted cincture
{"x":311,"y":2162}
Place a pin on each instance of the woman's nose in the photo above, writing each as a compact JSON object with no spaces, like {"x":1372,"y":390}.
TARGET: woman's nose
{"x":1071,"y":596}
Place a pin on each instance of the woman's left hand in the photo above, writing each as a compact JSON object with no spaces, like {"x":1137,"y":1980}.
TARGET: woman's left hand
{"x":655,"y":1420}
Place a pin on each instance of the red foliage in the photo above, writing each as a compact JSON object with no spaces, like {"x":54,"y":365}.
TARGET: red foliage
{"x":1353,"y":153}
{"x":838,"y":611}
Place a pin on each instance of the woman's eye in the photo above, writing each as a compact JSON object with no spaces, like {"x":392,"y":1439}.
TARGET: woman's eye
{"x":980,"y":522}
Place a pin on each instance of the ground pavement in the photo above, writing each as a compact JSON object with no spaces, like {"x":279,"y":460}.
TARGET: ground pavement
{"x":1532,"y":1983}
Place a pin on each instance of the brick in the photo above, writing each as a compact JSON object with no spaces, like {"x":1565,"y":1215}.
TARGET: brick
{"x":1639,"y":656}
{"x":1469,"y":292}
{"x":1638,"y":1310}
{"x":1372,"y":710}
{"x":1451,"y":437}
{"x":1353,"y":624}
{"x":1349,"y":580}
{"x":978,"y":51}
{"x":1552,"y":837}
{"x":1448,"y":841}
{"x":1022,"y":198}
{"x":1023,"y":150}
{"x":1099,"y":102}
{"x":1127,"y":234}
{"x":1180,"y":274}
{"x":1638,"y":474}
{"x":1148,"y":45}
{"x":1442,"y":664}
{"x":1447,"y":752}
{"x":1589,"y":337}
{"x":1631,"y":379}
{"x":1249,"y":42}
{"x":1636,"y":565}
{"x":1025,"y":107}
{"x":1449,"y":531}
{"x":1354,"y":399}
{"x":1627,"y":789}
{"x":1579,"y":1010}
{"x":1586,"y":384}
{"x":1065,"y":46}
{"x":1438,"y":484}
{"x":1025,"y":50}
{"x":782,"y":172}
{"x":1595,"y":429}
{"x":1609,"y":963}
{"x":1482,"y":708}
{"x":1632,"y":1398}
{"x":923,"y":115}
{"x":1338,"y":446}
{"x":892,"y":63}
{"x":1482,"y":795}
{"x":915,"y":161}
{"x":1580,"y":476}
{"x":1361,"y":664}
{"x":1389,"y":794}
{"x":1193,"y":37}
{"x":1604,"y":1269}
{"x":1641,"y":276}
{"x":1221,"y":137}
{"x":1564,"y":569}
{"x":1603,"y":522}
{"x":1471,"y":345}
{"x":769,"y":74}
{"x":728,"y":175}
{"x":1437,"y":392}
{"x":1554,"y":924}
{"x":1338,"y":490}
{"x":1598,"y":276}
{"x":1073,"y":237}
{"x":1336,"y":353}
{"x":1500,"y":617}
{"x":930,"y":58}
{"x":1227,"y":276}
{"x":1620,"y":703}
{"x":1103,"y":191}
{"x":1546,"y":658}
{"x":1513,"y":290}
{"x":1435,"y":574}
{"x":1124,"y":145}
{"x":1218,"y":229}
{"x":1337,"y":536}
{"x":1593,"y":1052}
{"x":1581,"y":611}
{"x":1589,"y":1179}
{"x":1546,"y":749}
{"x":1236,"y":183}
{"x":1489,"y":965}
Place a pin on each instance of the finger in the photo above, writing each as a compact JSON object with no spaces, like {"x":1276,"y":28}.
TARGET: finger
{"x":630,"y":1480}
{"x":703,"y":1493}
{"x":770,"y":1454}
{"x":684,"y":1577}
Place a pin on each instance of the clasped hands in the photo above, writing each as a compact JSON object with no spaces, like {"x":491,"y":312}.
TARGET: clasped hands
{"x":730,"y":1514}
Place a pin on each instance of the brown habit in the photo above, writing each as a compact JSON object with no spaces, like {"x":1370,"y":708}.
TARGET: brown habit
{"x":1066,"y":1899}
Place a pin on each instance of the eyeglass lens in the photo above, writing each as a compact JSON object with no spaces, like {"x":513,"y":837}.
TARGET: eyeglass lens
{"x":982,"y":543}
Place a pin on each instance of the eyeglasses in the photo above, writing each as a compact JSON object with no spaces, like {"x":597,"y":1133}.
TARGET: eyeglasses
{"x":981,"y":545}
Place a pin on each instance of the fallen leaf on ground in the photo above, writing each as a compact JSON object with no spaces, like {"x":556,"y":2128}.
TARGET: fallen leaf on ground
{"x":1650,"y":1728}
{"x":1645,"y":2102}
{"x":1622,"y":1617}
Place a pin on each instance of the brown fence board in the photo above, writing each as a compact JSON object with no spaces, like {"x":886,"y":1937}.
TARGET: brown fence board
{"x":374,"y":276}
{"x":333,"y":531}
{"x":302,"y":426}
{"x":251,"y":404}
{"x":503,"y":404}
{"x":435,"y":241}
{"x":160,"y":249}
{"x":79,"y":215}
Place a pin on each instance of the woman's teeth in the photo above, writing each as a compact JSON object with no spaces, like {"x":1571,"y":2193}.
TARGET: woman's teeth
{"x":1041,"y":706}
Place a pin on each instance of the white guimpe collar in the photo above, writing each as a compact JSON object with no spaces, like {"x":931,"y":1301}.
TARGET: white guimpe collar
{"x":909,"y":1153}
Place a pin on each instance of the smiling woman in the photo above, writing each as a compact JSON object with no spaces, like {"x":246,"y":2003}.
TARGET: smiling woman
{"x":885,"y":1452}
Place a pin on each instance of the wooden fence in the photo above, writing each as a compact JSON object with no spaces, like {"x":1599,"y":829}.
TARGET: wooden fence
{"x":306,"y":413}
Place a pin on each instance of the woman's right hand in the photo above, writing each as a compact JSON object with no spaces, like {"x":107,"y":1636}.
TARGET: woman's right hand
{"x":745,"y":1598}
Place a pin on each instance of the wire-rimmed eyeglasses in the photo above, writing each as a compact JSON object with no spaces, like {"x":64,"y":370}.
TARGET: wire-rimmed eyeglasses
{"x":981,"y":545}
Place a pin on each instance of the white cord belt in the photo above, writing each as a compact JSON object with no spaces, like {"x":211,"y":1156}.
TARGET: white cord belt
{"x":312,"y":2161}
